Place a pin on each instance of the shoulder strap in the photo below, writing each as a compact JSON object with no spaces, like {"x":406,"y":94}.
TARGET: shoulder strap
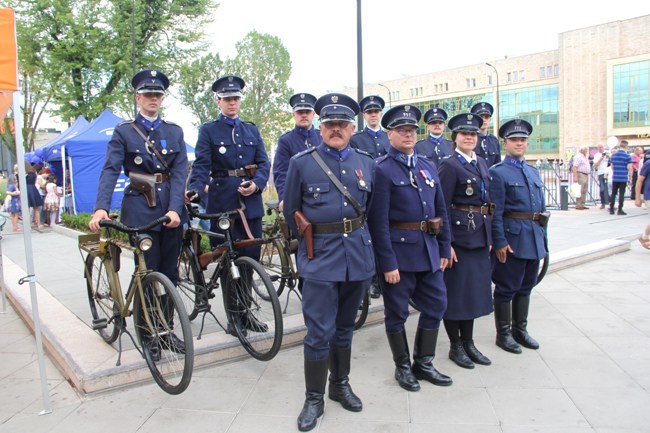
{"x":337,"y":183}
{"x":152,"y":147}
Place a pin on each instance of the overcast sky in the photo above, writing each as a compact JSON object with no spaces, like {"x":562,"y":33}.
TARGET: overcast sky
{"x":400,"y":38}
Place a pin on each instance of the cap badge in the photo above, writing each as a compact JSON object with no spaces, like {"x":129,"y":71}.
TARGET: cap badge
{"x":470,"y":116}
{"x":230,"y":79}
{"x":153,"y":73}
{"x":302,"y":96}
{"x":335,"y":99}
{"x":372,"y":98}
{"x":517,"y":121}
{"x":407,"y":107}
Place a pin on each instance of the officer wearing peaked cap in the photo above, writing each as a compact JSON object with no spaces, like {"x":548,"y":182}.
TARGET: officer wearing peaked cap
{"x":372,"y":138}
{"x":519,"y":236}
{"x":231,"y":162}
{"x":329,"y":188}
{"x":303,"y":136}
{"x":410,"y":231}
{"x":149,"y":146}
{"x":487,"y":146}
{"x":465,"y":185}
{"x":435,"y":147}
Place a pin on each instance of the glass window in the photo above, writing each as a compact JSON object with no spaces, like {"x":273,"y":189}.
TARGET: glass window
{"x":556,"y":70}
{"x":446,"y":87}
{"x":521,"y":76}
{"x":515,"y":76}
{"x":631,"y":99}
{"x":489,"y":80}
{"x":542,"y":72}
{"x":549,"y":71}
{"x":509,"y":77}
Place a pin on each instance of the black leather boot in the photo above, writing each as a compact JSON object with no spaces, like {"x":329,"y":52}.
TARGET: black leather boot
{"x":503,"y":319}
{"x":459,"y":356}
{"x":520,"y":306}
{"x":474,"y":354}
{"x":339,"y":388}
{"x":424,"y":351}
{"x":402,"y":358}
{"x":315,"y":380}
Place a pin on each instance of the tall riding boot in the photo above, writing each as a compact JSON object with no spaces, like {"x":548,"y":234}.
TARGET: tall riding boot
{"x":315,"y":380}
{"x":339,"y":388}
{"x":402,"y":358}
{"x":424,"y":351}
{"x":503,"y":319}
{"x":520,"y":306}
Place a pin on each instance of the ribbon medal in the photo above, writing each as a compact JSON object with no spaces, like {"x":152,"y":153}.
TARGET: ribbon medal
{"x":469,"y":190}
{"x":428,"y":179}
{"x":163,"y":144}
{"x":359,"y":173}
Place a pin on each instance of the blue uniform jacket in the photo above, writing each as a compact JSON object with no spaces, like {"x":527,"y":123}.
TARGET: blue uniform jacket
{"x":337,"y":256}
{"x":289,"y":144}
{"x":376,"y":146}
{"x":222,"y":147}
{"x":127,"y":149}
{"x":517,"y":187}
{"x":488,"y":148}
{"x":395,"y":199}
{"x":434,"y":151}
{"x":467,"y":185}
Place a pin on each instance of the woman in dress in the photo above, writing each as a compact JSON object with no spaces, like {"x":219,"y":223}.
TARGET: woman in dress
{"x":34,"y":199}
{"x":14,"y":203}
{"x":465,"y":184}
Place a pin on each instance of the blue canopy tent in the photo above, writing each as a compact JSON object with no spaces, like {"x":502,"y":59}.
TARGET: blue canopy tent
{"x":191,"y":153}
{"x":52,"y":149}
{"x":87,"y":152}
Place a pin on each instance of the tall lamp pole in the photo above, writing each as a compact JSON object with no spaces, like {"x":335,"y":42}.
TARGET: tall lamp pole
{"x":359,"y":65}
{"x":390,"y":98}
{"x":498,"y":116}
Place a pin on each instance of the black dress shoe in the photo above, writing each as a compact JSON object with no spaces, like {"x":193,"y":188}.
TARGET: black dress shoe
{"x":620,"y":212}
{"x":152,"y":347}
{"x":458,"y":355}
{"x":474,"y":354}
{"x":375,"y":291}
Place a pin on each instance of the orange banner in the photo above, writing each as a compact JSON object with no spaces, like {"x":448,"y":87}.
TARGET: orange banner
{"x":8,"y":51}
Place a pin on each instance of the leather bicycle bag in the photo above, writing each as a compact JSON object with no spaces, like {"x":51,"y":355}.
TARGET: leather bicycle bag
{"x":305,"y":230}
{"x":146,"y":184}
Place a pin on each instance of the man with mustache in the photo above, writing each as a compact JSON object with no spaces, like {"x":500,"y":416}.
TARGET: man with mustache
{"x":326,"y":195}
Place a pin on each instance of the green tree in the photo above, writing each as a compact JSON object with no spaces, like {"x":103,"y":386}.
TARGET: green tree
{"x":80,"y":52}
{"x":195,"y":90}
{"x":265,"y":64}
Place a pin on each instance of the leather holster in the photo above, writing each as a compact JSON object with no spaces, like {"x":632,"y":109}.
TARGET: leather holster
{"x":305,"y":230}
{"x":146,"y":184}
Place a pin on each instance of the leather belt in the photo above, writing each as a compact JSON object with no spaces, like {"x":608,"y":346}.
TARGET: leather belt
{"x":238,"y":173}
{"x":347,"y":226}
{"x":533,"y":216}
{"x":161,"y":177}
{"x":483,"y":210}
{"x":421,"y":226}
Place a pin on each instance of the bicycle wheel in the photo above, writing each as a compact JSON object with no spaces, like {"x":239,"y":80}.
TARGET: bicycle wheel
{"x":104,"y":309}
{"x":257,"y":322}
{"x":169,"y":355}
{"x":280,"y":273}
{"x":362,"y":314}
{"x":190,"y":281}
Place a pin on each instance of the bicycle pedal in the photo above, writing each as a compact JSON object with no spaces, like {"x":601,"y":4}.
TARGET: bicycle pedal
{"x":99,"y":324}
{"x":211,"y":295}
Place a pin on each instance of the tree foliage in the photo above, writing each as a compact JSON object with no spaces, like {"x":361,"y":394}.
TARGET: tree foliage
{"x":195,"y":90}
{"x":77,"y":55}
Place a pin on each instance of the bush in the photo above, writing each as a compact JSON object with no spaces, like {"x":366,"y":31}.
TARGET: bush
{"x":77,"y":222}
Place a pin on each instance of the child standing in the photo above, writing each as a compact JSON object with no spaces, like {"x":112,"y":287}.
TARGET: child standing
{"x":52,"y":199}
{"x":14,"y":204}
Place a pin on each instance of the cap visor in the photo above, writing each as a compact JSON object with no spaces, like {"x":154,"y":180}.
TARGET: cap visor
{"x":230,"y":94}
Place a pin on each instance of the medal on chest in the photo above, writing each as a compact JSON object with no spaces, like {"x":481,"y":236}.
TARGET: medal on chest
{"x":137,"y":160}
{"x":468,"y":189}
{"x":359,"y":173}
{"x":428,"y":179}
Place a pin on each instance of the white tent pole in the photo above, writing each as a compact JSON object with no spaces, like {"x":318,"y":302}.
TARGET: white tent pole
{"x":64,"y":209}
{"x":29,"y":258}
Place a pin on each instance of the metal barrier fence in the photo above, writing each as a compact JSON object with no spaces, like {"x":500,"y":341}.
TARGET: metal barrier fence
{"x":555,"y":176}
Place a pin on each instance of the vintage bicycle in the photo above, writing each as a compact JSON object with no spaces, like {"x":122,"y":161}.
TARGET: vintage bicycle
{"x":250,"y":301}
{"x":162,"y":328}
{"x":276,"y":259}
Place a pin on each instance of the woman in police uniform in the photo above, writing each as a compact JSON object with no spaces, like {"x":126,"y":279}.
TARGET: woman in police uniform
{"x":465,"y":184}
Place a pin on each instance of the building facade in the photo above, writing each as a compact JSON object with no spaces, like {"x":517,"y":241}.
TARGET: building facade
{"x":594,"y":86}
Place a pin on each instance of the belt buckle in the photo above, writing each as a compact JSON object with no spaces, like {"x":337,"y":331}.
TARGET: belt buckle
{"x":158,"y":177}
{"x":424,"y":226}
{"x":347,"y":226}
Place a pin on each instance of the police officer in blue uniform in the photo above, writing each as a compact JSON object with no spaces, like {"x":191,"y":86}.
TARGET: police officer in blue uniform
{"x":435,"y":147}
{"x":372,"y":139}
{"x":127,"y":148}
{"x":335,"y":255}
{"x":487,"y":146}
{"x":232,"y":160}
{"x":465,"y":185}
{"x":303,"y":136}
{"x":410,"y":231}
{"x":519,"y":236}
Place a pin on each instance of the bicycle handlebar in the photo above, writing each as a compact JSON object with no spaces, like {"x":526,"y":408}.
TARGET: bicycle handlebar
{"x":126,"y":229}
{"x":208,"y":216}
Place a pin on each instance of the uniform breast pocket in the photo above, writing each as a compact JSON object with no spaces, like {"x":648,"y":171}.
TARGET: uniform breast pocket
{"x":400,"y":182}
{"x":539,"y":189}
{"x":221,"y":146}
{"x":404,"y":236}
{"x":512,"y":226}
{"x":315,"y":194}
{"x":515,"y":190}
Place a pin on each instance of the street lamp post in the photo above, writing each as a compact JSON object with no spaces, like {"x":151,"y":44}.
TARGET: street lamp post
{"x":359,"y":65}
{"x":498,"y":116}
{"x":390,"y":98}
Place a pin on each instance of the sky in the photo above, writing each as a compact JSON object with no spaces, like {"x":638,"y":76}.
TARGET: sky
{"x":400,"y":38}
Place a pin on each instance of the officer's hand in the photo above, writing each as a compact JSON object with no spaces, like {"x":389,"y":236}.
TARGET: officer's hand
{"x":392,"y":277}
{"x":247,"y":190}
{"x":637,"y":201}
{"x":281,"y":206}
{"x":502,"y":253}
{"x":100,"y":214}
{"x":444,"y":263}
{"x":175,"y":219}
{"x":451,"y":261}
